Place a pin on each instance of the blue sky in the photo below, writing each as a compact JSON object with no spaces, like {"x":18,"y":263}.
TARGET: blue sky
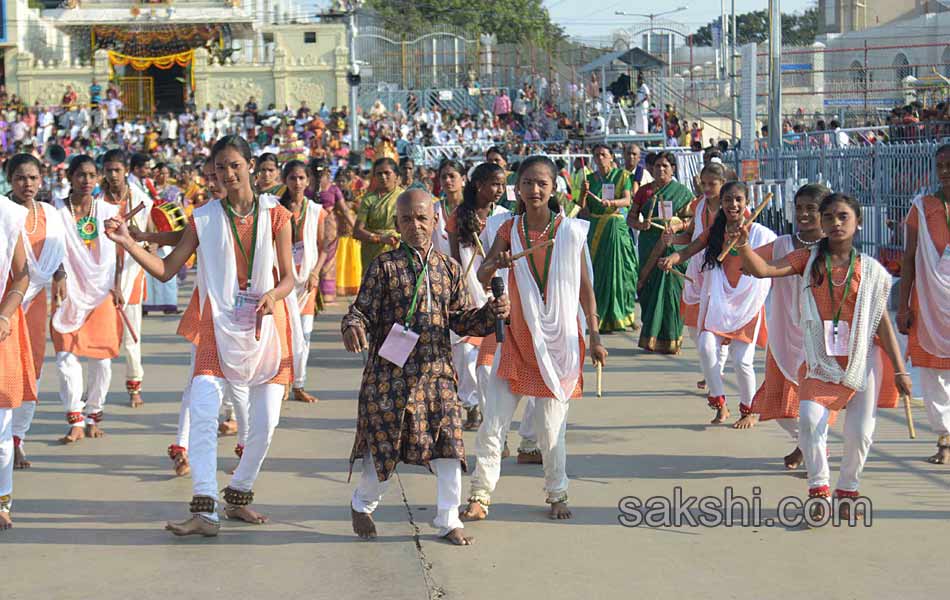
{"x":584,"y":18}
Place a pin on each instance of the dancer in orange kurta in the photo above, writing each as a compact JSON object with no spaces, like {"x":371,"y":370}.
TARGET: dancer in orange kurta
{"x":86,"y":324}
{"x":17,"y":377}
{"x":924,"y":308}
{"x":45,"y":247}
{"x":843,"y":318}
{"x":244,"y":334}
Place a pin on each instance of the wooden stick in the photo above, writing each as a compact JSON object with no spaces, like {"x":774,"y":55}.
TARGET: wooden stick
{"x":657,"y":225}
{"x":125,"y":320}
{"x":600,"y":380}
{"x":758,"y":211}
{"x":471,"y":262}
{"x":683,"y":275}
{"x":128,"y":216}
{"x":910,"y":417}
{"x":543,"y":244}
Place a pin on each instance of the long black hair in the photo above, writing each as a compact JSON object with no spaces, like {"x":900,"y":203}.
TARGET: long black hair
{"x":817,"y":277}
{"x":466,"y":213}
{"x":285,"y":171}
{"x":529,"y":162}
{"x":717,"y":233}
{"x":232,"y":141}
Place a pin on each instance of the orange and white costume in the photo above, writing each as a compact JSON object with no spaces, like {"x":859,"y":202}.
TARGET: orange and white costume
{"x":306,"y":257}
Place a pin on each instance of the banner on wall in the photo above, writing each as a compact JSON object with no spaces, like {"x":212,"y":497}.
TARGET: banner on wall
{"x":142,"y":63}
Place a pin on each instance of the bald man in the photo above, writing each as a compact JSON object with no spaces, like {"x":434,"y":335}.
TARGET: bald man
{"x":409,"y":410}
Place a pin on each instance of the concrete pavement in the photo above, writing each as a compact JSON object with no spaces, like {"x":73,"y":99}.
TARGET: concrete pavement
{"x":89,"y":516}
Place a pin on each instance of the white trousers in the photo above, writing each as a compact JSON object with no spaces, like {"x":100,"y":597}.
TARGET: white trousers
{"x":300,"y":361}
{"x":526,"y":427}
{"x":860,"y":418}
{"x":132,"y":349}
{"x":935,"y":387}
{"x":723,"y":350}
{"x":742,"y":355}
{"x":264,"y":413}
{"x":235,"y":401}
{"x":448,"y":475}
{"x":23,"y":419}
{"x":71,"y":384}
{"x":550,"y":422}
{"x":464,"y":359}
{"x":6,"y":451}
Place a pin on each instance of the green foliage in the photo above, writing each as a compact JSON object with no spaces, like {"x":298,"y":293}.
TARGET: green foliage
{"x":797,"y":30}
{"x":512,"y":21}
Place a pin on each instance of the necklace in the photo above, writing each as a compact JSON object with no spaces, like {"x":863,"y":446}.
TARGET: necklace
{"x":36,"y":220}
{"x":243,"y":218}
{"x":543,"y":233}
{"x":803,"y":242}
{"x":87,"y":226}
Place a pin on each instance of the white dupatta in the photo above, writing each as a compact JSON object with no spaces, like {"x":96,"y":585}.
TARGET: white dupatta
{"x":475,"y":288}
{"x":932,"y":281}
{"x":311,"y":252}
{"x":724,"y":308}
{"x":784,"y":317}
{"x":692,"y":291}
{"x":44,"y":266}
{"x":870,"y":303}
{"x":12,"y":219}
{"x":90,"y":274}
{"x":555,"y":333}
{"x":243,"y":359}
{"x":132,"y":269}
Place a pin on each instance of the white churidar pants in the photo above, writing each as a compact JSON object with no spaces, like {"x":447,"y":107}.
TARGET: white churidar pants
{"x":6,"y":451}
{"x":71,"y":384}
{"x":935,"y":387}
{"x":133,"y":350}
{"x":300,"y":362}
{"x":711,"y":358}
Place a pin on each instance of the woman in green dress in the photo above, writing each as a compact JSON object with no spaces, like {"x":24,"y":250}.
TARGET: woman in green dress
{"x":659,"y":291}
{"x":376,"y":217}
{"x":603,"y":193}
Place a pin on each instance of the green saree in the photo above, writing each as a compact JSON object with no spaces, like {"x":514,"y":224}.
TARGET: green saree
{"x":612,"y":254}
{"x":662,"y":324}
{"x":378,"y":214}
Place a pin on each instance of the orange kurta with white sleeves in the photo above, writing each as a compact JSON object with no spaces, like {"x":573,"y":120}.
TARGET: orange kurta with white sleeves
{"x":935,"y":218}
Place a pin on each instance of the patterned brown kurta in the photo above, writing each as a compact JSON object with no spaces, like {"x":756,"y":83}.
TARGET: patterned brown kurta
{"x":412,"y":415}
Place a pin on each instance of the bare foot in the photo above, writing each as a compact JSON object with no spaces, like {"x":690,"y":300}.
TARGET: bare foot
{"x":363,"y":525}
{"x":794,"y":460}
{"x":76,"y":433}
{"x":196,"y":525}
{"x":93,"y":431}
{"x":458,"y":538}
{"x":300,"y":395}
{"x":505,"y":453}
{"x":475,"y":512}
{"x":182,"y":468}
{"x":722,"y":413}
{"x":135,"y":399}
{"x":744,"y":422}
{"x":701,"y":385}
{"x":244,"y":513}
{"x":228,"y":427}
{"x":942,"y":457}
{"x":559,"y":510}
{"x":5,"y":521}
{"x":530,"y":458}
{"x":19,"y":459}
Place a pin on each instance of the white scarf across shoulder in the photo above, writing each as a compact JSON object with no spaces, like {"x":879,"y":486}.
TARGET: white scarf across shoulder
{"x":311,"y":251}
{"x":243,"y":359}
{"x":90,"y":272}
{"x":12,"y":219}
{"x":475,"y":288}
{"x":44,"y":266}
{"x":932,"y":280}
{"x":870,"y":303}
{"x":555,"y":333}
{"x":692,"y":291}
{"x":784,"y":317}
{"x":131,"y":269}
{"x":724,"y":308}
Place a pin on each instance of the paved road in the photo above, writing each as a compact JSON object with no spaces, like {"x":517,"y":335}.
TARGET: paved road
{"x":89,"y":517}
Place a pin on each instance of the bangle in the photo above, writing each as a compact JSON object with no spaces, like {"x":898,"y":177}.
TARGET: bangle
{"x":11,"y":292}
{"x":6,"y":320}
{"x":742,"y":246}
{"x":901,"y":374}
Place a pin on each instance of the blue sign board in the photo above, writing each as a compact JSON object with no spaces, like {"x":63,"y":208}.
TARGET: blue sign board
{"x":797,"y":67}
{"x":860,"y":102}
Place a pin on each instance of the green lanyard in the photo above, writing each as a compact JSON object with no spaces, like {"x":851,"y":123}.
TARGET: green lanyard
{"x":298,"y":223}
{"x":847,"y":285}
{"x":946,"y":207}
{"x":541,"y":281}
{"x":237,"y":238}
{"x":415,"y":292}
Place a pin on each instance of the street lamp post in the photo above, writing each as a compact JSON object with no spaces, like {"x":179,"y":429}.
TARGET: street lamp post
{"x":353,"y":73}
{"x":652,"y":17}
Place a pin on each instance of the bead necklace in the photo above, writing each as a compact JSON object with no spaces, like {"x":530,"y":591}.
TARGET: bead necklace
{"x":803,"y":242}
{"x":36,"y":220}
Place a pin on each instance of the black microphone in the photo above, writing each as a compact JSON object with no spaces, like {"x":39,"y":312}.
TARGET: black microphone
{"x":498,"y":290}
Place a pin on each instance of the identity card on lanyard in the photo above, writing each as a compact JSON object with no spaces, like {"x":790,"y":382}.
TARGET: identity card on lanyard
{"x":837,"y":332}
{"x":402,"y":340}
{"x":245,"y":301}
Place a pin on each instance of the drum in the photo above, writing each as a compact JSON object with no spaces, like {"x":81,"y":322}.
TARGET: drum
{"x":168,"y":217}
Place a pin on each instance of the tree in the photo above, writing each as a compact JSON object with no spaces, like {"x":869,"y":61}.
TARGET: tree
{"x":512,"y":21}
{"x":797,"y":30}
